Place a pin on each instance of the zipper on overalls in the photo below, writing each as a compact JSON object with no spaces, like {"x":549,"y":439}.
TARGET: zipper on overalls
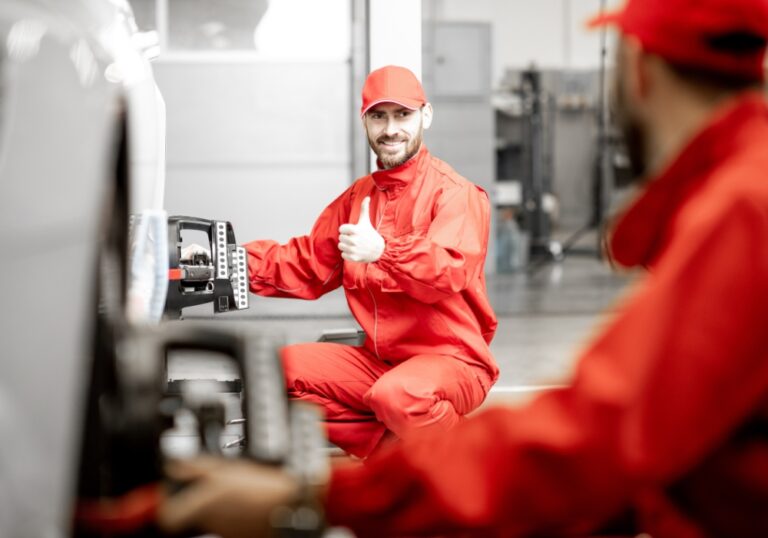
{"x":370,"y":292}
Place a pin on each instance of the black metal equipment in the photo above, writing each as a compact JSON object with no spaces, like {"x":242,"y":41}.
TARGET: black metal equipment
{"x":221,"y":278}
{"x":537,"y":172}
{"x":128,"y":408}
{"x":121,"y":462}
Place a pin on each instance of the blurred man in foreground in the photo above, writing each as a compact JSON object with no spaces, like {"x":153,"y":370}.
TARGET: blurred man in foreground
{"x":664,"y":429}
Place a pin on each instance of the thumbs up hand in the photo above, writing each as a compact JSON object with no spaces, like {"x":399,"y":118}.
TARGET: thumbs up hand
{"x":361,"y":242}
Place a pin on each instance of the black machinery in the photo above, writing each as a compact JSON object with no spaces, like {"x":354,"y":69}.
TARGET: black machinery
{"x":129,"y":409}
{"x":221,"y":278}
{"x":121,"y":476}
{"x":537,"y":161}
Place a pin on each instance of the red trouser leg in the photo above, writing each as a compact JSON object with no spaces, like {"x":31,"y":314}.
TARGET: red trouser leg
{"x":363,"y":397}
{"x":337,"y":377}
{"x":427,"y":391}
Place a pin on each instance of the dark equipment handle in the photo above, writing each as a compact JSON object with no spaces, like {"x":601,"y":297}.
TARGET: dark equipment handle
{"x":190,"y":223}
{"x":178,"y":223}
{"x":265,"y":404}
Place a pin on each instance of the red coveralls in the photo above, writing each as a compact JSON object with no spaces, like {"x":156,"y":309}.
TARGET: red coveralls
{"x":423,"y":305}
{"x":667,"y":418}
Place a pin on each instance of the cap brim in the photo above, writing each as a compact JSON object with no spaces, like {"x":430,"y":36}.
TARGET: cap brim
{"x":409,"y":106}
{"x":603,"y":19}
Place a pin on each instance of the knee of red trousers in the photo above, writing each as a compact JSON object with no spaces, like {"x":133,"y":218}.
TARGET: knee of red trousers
{"x":290,"y":358}
{"x":404,"y":408}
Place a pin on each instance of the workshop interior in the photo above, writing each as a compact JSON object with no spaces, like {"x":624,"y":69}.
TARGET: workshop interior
{"x":130,"y":129}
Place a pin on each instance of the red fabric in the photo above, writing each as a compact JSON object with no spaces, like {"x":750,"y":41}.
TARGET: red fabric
{"x":680,"y":30}
{"x":392,"y":84}
{"x":363,"y":396}
{"x":667,"y":416}
{"x":119,"y":516}
{"x":426,"y":295}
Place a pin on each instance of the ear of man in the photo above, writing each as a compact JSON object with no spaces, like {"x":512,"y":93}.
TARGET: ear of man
{"x":427,"y":114}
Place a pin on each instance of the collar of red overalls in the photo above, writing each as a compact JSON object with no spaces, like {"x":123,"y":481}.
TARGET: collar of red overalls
{"x":639,"y":233}
{"x":400,"y":176}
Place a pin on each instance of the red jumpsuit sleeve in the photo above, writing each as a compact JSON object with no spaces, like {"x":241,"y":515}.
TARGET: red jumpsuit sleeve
{"x":305,"y":267}
{"x":432,"y":265}
{"x":679,"y":369}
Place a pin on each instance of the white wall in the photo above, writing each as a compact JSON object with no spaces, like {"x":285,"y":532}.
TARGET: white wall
{"x":258,"y":129}
{"x":549,"y":33}
{"x":264,"y":145}
{"x":394,"y":39}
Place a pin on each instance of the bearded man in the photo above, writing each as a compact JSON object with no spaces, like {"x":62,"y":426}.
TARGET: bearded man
{"x":408,"y":243}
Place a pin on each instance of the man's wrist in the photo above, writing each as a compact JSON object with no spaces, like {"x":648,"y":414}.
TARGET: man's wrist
{"x":304,"y":512}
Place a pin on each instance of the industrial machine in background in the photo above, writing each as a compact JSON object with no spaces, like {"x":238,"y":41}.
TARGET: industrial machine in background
{"x":555,"y":184}
{"x":525,"y":194}
{"x":537,"y":165}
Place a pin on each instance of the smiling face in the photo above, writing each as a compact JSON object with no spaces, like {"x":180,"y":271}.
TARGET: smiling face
{"x":395,"y":133}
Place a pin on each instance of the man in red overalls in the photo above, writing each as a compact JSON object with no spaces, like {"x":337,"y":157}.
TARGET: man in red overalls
{"x":408,"y":243}
{"x":664,"y":429}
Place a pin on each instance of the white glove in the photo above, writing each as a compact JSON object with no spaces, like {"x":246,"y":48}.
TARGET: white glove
{"x":190,"y":250}
{"x":361,"y":242}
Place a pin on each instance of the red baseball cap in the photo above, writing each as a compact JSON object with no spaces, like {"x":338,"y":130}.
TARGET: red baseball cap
{"x":392,"y":84}
{"x":720,"y":36}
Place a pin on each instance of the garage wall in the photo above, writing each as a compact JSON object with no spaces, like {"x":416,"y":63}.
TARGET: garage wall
{"x":548,"y":33}
{"x":265,"y":145}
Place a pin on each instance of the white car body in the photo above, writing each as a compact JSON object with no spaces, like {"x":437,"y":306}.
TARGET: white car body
{"x":75,"y":92}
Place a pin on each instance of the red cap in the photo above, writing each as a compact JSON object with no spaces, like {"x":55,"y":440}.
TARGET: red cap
{"x":392,"y":84}
{"x":721,"y":36}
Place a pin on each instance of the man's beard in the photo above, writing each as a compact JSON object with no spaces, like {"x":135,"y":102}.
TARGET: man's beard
{"x":635,"y":138}
{"x":390,"y":160}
